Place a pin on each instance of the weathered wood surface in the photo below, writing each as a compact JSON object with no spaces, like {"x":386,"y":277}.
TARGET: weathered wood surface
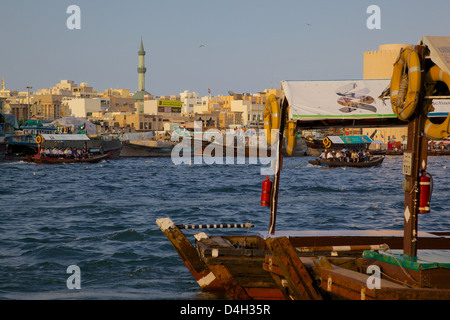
{"x":300,"y":283}
{"x":188,"y":254}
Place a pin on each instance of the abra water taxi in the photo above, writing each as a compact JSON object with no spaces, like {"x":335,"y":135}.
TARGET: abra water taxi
{"x":82,"y":157}
{"x":374,"y":161}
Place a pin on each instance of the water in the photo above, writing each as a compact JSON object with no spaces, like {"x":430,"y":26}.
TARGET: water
{"x":101,"y":217}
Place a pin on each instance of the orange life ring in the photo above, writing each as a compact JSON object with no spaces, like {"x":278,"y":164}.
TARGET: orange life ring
{"x":405,"y":91}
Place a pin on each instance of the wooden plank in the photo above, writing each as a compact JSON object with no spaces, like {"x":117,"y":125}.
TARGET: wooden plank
{"x":349,"y":284}
{"x":188,"y":254}
{"x":231,"y":286}
{"x":300,"y":283}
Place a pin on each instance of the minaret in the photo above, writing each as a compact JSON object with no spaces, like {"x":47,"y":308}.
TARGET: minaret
{"x":141,"y":69}
{"x":3,"y":84}
{"x":140,"y":93}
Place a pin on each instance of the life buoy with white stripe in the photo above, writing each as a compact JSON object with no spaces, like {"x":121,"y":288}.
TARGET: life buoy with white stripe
{"x":271,"y":116}
{"x":405,"y":88}
{"x":431,"y":130}
{"x":290,"y":133}
{"x":326,"y":142}
{"x":39,"y":139}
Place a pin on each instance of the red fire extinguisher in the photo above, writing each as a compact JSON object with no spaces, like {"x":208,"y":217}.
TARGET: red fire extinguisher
{"x":426,"y":188}
{"x":265,"y":192}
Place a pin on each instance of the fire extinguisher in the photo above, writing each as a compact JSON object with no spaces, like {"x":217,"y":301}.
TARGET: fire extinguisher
{"x":426,"y":189}
{"x":265,"y":192}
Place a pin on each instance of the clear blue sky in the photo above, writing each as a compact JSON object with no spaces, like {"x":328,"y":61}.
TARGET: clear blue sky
{"x":251,"y":45}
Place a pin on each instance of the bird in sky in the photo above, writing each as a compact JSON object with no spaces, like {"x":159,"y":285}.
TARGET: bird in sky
{"x":202,"y":45}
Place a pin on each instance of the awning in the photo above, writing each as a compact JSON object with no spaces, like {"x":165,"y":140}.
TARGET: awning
{"x":344,"y":100}
{"x":350,"y":139}
{"x":65,"y":137}
{"x":10,"y":119}
{"x":439,"y":51}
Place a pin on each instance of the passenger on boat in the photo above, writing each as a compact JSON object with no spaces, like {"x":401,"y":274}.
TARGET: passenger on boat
{"x":54,"y":152}
{"x":339,"y":156}
{"x":323,"y":155}
{"x":354,"y":156}
{"x":47,"y":152}
{"x":330,"y":156}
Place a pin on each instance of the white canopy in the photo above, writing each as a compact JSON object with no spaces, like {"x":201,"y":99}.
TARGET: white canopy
{"x":65,"y":137}
{"x":439,"y":51}
{"x":344,"y":99}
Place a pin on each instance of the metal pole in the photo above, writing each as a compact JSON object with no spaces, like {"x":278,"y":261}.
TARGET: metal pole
{"x":28,"y":101}
{"x":276,"y":178}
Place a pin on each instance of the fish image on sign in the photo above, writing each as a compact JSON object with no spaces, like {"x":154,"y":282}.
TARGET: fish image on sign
{"x":353,"y":98}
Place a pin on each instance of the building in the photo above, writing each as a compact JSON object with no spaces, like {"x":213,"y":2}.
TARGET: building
{"x":379,"y":65}
{"x":133,"y":122}
{"x":87,"y":107}
{"x":252,"y":112}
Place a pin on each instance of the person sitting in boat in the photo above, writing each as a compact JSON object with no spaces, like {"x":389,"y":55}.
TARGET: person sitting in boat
{"x":54,"y":152}
{"x":330,"y":156}
{"x":339,"y":156}
{"x":323,"y":155}
{"x":47,"y":152}
{"x":354,"y":156}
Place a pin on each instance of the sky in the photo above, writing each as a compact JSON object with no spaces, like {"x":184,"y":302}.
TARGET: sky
{"x":249,"y":45}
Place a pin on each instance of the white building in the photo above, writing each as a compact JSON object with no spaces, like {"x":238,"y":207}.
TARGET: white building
{"x":252,"y":113}
{"x":192,"y":103}
{"x":86,"y":107}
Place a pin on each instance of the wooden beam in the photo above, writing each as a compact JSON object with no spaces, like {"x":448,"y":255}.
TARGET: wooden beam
{"x":188,"y":254}
{"x":300,"y":283}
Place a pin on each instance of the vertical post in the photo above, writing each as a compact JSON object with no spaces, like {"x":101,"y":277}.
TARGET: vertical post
{"x":276,"y":178}
{"x":414,"y":160}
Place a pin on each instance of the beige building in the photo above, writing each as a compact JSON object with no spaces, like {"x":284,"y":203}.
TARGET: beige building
{"x":49,"y":107}
{"x":134,"y":122}
{"x":379,"y":65}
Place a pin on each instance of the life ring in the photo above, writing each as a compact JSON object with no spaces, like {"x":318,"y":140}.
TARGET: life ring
{"x":39,"y":139}
{"x":271,"y":116}
{"x":405,"y":91}
{"x":326,"y":142}
{"x":291,"y":136}
{"x":431,"y":130}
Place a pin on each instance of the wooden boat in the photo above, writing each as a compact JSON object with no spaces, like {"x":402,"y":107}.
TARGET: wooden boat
{"x":335,"y":264}
{"x":375,"y":161}
{"x":50,"y":160}
{"x":86,"y":158}
{"x":233,"y":150}
{"x":310,"y":265}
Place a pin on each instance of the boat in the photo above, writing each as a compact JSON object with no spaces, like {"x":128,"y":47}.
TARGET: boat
{"x":59,"y":160}
{"x":86,"y":157}
{"x":133,"y":149}
{"x":374,"y":161}
{"x":332,"y":264}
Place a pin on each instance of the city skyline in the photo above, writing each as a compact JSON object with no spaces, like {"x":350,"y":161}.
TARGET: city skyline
{"x":245,"y":46}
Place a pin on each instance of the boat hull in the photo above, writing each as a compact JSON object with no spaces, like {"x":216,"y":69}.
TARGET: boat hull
{"x":329,"y":163}
{"x":310,"y":266}
{"x":45,"y":160}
